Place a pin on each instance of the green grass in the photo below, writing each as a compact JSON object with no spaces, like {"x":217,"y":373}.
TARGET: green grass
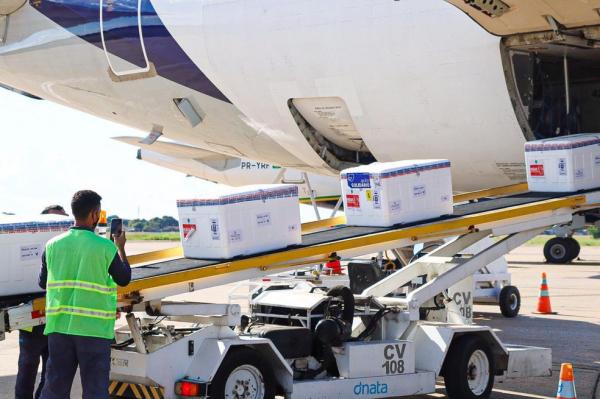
{"x":585,"y":241}
{"x":170,"y":236}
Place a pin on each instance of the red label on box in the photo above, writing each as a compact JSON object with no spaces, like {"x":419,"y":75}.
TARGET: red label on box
{"x":536,"y":170}
{"x":352,"y":201}
{"x":187,"y":229}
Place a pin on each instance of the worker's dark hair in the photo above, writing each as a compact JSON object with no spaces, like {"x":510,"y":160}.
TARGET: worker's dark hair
{"x":84,"y":202}
{"x":51,"y":208}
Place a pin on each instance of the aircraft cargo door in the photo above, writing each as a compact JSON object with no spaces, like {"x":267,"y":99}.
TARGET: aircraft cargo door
{"x":122,"y":36}
{"x":511,"y":17}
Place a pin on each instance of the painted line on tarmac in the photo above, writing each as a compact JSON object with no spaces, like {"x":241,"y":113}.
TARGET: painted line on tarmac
{"x":507,"y":392}
{"x":522,"y":394}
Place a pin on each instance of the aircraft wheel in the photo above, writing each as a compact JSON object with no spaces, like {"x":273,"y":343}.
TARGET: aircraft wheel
{"x":576,"y":248}
{"x":510,"y":301}
{"x":560,"y":250}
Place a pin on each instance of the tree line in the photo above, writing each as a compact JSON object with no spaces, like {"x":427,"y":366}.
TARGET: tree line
{"x":154,"y":225}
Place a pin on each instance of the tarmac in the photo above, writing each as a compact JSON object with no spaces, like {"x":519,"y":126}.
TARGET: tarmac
{"x":573,"y":333}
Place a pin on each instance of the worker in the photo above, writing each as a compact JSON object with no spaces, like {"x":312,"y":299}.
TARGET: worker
{"x":81,"y":271}
{"x":33,"y":346}
{"x":54,"y":210}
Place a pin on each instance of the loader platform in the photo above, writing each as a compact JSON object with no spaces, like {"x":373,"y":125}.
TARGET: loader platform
{"x":326,"y":239}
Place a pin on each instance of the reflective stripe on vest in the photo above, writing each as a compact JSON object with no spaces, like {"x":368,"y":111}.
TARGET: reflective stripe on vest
{"x":88,"y":312}
{"x":82,"y":285}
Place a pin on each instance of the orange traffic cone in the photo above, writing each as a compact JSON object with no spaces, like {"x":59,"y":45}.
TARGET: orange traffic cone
{"x":543,"y":306}
{"x":566,"y":385}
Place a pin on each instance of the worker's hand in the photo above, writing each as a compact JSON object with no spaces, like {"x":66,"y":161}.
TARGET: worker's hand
{"x":120,"y":239}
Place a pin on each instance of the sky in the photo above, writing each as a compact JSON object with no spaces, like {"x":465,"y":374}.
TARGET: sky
{"x":48,"y":152}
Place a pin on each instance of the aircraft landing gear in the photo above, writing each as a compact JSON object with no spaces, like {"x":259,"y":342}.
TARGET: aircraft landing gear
{"x":561,"y":250}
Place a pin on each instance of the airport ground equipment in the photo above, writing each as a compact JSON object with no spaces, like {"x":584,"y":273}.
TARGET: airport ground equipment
{"x":491,"y":284}
{"x":307,"y":343}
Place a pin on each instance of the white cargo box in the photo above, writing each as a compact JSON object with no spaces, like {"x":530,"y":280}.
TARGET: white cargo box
{"x":563,"y":164}
{"x":240,"y":221}
{"x":22,"y":242}
{"x":385,"y":194}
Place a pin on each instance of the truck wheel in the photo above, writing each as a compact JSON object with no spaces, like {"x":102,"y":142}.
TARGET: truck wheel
{"x":469,"y":369}
{"x":510,"y":301}
{"x":243,"y":374}
{"x":561,"y":250}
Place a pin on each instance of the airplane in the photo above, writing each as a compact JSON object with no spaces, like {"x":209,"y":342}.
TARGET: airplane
{"x":319,"y":86}
{"x":222,"y":169}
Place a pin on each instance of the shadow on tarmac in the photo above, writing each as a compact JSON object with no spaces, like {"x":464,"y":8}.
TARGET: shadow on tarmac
{"x":7,"y":386}
{"x":572,"y":341}
{"x":577,"y":342}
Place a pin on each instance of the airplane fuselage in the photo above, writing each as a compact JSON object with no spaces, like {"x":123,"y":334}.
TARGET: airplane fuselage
{"x":415,"y":78}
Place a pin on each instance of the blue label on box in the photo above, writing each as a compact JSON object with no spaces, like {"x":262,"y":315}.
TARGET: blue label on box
{"x":359,"y":180}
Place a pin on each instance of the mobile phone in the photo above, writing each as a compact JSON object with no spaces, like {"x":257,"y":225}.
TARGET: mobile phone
{"x":116,"y":227}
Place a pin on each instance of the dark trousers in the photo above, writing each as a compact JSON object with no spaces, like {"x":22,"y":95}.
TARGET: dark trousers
{"x":92,"y":355}
{"x":32,"y":346}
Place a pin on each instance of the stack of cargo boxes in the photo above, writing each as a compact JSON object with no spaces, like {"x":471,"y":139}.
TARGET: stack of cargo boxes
{"x":22,"y":242}
{"x":563,"y":164}
{"x":386,"y":194}
{"x":240,"y":221}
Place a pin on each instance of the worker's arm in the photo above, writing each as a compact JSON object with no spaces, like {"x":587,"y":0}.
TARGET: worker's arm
{"x":43,"y":277}
{"x":119,"y":268}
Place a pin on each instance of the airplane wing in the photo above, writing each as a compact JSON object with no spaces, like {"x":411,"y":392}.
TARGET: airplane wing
{"x":181,"y":152}
{"x":221,"y":169}
{"x":509,"y":17}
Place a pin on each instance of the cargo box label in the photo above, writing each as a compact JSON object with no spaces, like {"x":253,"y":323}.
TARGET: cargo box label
{"x":536,"y":170}
{"x":263,"y":219}
{"x":579,"y":174}
{"x":31,"y":252}
{"x":377,"y":181}
{"x":376,"y":199}
{"x":235,"y":236}
{"x":188,"y":229}
{"x":359,"y":180}
{"x":352,"y":201}
{"x":562,"y":167}
{"x":419,"y":191}
{"x":597,"y":160}
{"x":369,"y":194}
{"x":395,"y":206}
{"x":215,"y":231}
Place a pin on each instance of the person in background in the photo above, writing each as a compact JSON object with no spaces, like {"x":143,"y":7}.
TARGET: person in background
{"x":33,"y":346}
{"x":80,"y":272}
{"x":54,"y":210}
